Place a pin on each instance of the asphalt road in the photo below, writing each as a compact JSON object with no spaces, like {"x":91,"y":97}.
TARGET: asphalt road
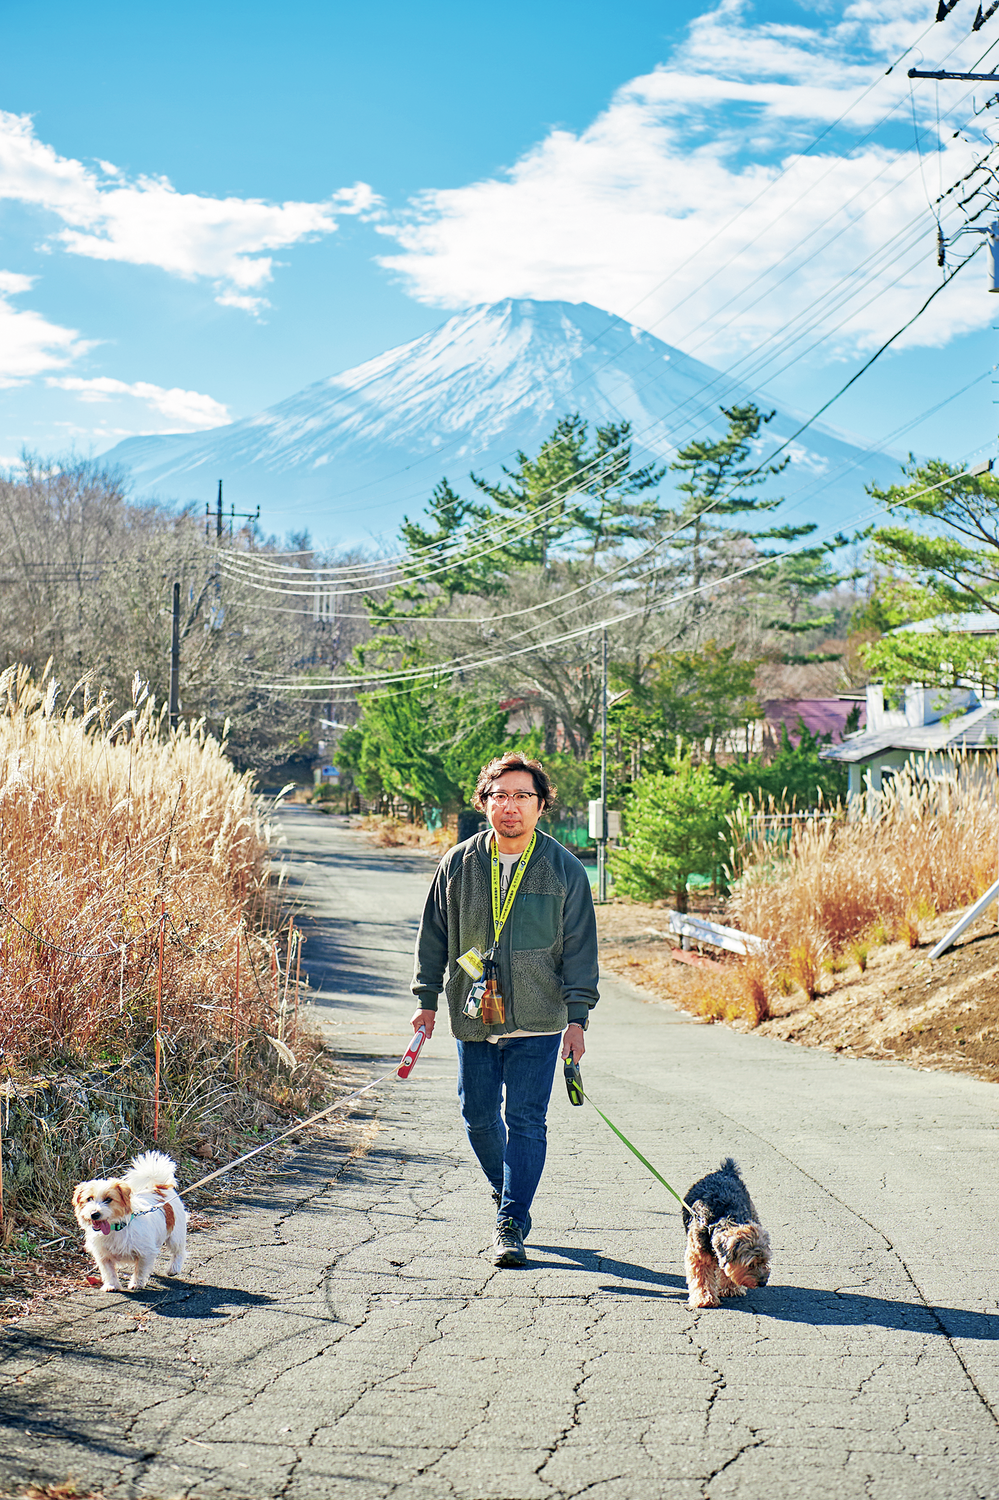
{"x":344,"y":1334}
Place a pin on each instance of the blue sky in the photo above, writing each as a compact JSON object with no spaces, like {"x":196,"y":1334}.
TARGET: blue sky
{"x":205,"y":207}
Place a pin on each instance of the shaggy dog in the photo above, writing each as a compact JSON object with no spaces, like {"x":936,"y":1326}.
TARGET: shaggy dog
{"x":132,"y":1218}
{"x":727,"y":1248}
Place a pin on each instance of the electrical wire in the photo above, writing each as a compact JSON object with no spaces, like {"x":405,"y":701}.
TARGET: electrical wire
{"x":787,"y":441}
{"x":440,"y":669}
{"x":781,"y":447}
{"x":792,"y":503}
{"x":343,"y":572}
{"x":758,"y":364}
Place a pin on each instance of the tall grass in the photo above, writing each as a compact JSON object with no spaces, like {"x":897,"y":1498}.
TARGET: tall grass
{"x":930,"y":846}
{"x":106,"y":823}
{"x":822,"y":890}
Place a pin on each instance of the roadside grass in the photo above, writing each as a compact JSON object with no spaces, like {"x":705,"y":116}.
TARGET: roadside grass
{"x":141,"y":976}
{"x":395,"y":833}
{"x":841,"y":888}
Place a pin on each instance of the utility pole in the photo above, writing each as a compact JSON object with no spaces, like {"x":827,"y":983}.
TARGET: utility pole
{"x":602,"y":846}
{"x":598,"y":822}
{"x":175,"y":661}
{"x":218,"y":515}
{"x":241,"y":515}
{"x":991,"y":231}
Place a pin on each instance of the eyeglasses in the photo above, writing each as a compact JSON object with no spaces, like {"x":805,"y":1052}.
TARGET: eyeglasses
{"x":517,"y":798}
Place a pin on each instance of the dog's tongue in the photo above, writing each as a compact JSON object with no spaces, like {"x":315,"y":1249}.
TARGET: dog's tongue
{"x":103,"y":1226}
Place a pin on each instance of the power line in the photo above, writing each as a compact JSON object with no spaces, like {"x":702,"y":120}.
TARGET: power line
{"x":762,"y":467}
{"x":438,"y":670}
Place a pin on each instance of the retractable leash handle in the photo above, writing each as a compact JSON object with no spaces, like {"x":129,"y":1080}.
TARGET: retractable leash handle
{"x":406,"y":1066}
{"x":573,"y":1081}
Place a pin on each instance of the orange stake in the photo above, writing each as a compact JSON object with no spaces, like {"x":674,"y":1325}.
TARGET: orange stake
{"x":235,"y":1003}
{"x":159,"y":1017}
{"x":298,"y":970}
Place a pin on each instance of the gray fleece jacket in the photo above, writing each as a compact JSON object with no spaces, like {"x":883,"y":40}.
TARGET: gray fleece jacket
{"x":547,"y":949}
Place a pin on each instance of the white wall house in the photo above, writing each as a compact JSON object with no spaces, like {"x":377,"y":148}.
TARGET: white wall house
{"x":947,"y":732}
{"x":915,"y":732}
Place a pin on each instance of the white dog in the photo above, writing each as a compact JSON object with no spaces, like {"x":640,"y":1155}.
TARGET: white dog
{"x":132,"y":1218}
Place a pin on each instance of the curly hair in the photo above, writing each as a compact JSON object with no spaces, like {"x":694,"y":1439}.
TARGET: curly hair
{"x":544,"y":788}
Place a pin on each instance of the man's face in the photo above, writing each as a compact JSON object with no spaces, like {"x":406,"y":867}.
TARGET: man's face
{"x":512,"y":817}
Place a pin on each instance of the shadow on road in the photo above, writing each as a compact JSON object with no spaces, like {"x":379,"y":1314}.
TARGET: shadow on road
{"x":196,"y":1300}
{"x":603,"y":1265}
{"x":787,"y":1304}
{"x":824,"y":1309}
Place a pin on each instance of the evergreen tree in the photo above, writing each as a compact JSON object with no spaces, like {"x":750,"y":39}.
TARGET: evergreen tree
{"x":676,"y":828}
{"x":796,"y":777}
{"x":949,"y":565}
{"x":955,"y":561}
{"x":569,"y":489}
{"x":424,"y":746}
{"x":718,"y":477}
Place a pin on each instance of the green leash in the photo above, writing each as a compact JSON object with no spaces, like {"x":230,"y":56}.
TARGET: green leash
{"x":574,"y":1087}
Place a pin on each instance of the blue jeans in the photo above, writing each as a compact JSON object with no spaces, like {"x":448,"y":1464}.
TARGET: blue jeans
{"x":510,"y":1146}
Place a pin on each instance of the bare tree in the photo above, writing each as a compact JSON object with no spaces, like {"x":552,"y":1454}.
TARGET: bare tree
{"x":88,"y":581}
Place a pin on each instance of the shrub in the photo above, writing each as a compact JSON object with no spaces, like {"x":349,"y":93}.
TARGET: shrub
{"x":859,"y":951}
{"x":676,"y":828}
{"x":739,"y":991}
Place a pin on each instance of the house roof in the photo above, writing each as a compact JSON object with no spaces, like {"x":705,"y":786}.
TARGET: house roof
{"x":977,"y":730}
{"x":984,"y":622}
{"x":820,"y":716}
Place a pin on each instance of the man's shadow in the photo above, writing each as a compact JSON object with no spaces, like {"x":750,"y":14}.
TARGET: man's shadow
{"x":787,"y":1304}
{"x":654,"y":1283}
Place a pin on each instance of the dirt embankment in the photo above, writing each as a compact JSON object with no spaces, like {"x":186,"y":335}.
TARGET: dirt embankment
{"x":940,"y":1014}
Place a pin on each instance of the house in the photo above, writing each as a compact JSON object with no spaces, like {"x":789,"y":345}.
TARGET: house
{"x":929,"y":727}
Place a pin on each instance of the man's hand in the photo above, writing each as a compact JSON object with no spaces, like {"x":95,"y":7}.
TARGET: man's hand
{"x":426,"y":1019}
{"x":573,"y":1042}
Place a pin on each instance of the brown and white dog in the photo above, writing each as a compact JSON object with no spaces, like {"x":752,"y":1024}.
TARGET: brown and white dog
{"x":130,"y":1219}
{"x":728,"y":1250}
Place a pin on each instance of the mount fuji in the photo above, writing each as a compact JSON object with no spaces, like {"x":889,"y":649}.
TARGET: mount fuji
{"x":351,"y":454}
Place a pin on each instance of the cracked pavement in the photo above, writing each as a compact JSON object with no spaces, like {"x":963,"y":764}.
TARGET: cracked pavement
{"x":341,"y":1333}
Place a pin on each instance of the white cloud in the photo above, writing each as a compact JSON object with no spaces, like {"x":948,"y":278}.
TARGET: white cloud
{"x":633,"y":213}
{"x":148,"y":222}
{"x":184,"y":411}
{"x":29,"y":343}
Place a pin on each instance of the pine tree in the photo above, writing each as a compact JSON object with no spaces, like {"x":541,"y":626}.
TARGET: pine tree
{"x":569,"y":490}
{"x":718,"y":478}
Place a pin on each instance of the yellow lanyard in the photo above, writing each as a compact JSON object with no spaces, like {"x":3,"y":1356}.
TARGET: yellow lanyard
{"x":499,"y":917}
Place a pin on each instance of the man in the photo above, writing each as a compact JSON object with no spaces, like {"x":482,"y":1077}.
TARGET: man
{"x":510,"y":916}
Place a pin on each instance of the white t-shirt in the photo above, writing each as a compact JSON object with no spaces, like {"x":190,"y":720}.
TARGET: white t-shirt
{"x":507,"y":864}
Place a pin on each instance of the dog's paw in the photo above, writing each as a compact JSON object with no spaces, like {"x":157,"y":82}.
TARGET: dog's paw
{"x":704,"y":1302}
{"x":733,"y":1291}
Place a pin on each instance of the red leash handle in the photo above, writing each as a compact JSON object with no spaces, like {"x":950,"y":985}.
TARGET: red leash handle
{"x":406,"y":1066}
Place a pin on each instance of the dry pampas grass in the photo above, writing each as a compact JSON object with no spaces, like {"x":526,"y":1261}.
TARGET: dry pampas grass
{"x":104,"y":821}
{"x":394,"y":833}
{"x":834,"y":887}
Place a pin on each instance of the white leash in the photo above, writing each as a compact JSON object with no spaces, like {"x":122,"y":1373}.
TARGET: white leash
{"x":401,"y":1070}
